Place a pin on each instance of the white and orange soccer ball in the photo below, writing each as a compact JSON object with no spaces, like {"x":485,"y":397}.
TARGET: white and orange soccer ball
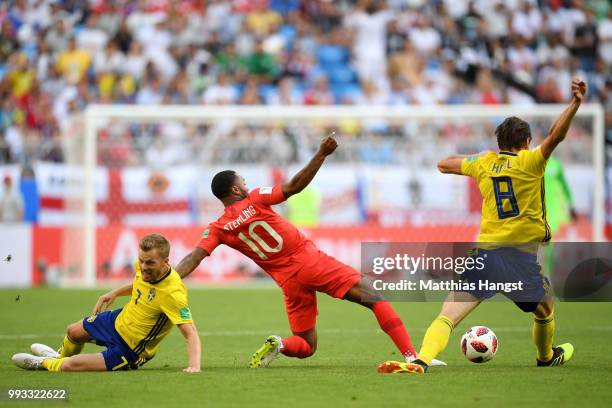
{"x":479,"y":344}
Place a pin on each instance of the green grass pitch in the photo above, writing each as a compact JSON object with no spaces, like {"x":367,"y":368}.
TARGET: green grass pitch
{"x":234,"y":322}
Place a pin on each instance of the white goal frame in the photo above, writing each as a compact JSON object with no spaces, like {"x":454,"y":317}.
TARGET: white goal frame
{"x":95,"y":114}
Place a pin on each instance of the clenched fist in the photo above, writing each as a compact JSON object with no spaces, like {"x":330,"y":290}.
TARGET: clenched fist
{"x":579,"y":89}
{"x":328,"y":145}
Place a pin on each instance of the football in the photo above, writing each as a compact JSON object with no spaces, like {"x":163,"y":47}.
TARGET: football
{"x":479,"y":344}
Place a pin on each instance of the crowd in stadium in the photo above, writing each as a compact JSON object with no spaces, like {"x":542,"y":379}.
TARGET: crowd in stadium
{"x":57,"y":56}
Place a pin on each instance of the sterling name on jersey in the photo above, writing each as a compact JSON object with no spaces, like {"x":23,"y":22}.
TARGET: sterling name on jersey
{"x":512,"y":187}
{"x":155,"y":307}
{"x":251,"y":227}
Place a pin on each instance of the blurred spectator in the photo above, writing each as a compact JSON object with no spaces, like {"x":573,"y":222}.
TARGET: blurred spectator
{"x":425,"y":39}
{"x":11,"y":204}
{"x":373,"y":94}
{"x":8,"y":40}
{"x":406,"y":64}
{"x":151,"y":94}
{"x":58,"y":37}
{"x":327,"y":16}
{"x":21,"y":75}
{"x":548,"y":91}
{"x":136,"y":61}
{"x":522,"y":59}
{"x":319,"y":94}
{"x":527,"y":21}
{"x":5,"y":150}
{"x":261,"y":63}
{"x":496,"y":18}
{"x":250,"y":95}
{"x":551,"y":50}
{"x":91,"y":38}
{"x":73,"y":62}
{"x":45,"y":60}
{"x":369,"y":26}
{"x":123,"y":38}
{"x":584,"y":46}
{"x":221,"y":93}
{"x":261,"y":20}
{"x":486,"y":93}
{"x":109,"y":60}
{"x":14,"y":136}
{"x":285,"y":94}
{"x":228,"y":61}
{"x":604,"y":32}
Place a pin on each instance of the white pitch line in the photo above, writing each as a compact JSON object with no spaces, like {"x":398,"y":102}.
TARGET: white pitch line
{"x":230,"y":333}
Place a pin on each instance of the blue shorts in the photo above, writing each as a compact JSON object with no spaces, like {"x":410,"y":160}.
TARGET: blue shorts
{"x":118,"y":355}
{"x":508,"y":266}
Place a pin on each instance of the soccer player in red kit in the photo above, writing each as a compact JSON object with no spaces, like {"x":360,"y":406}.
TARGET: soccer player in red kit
{"x":250,"y":226}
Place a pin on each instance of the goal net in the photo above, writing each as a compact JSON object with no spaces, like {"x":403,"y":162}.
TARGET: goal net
{"x":138,"y":169}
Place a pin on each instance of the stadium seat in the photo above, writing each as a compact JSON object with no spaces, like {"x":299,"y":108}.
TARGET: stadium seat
{"x":288,"y":32}
{"x":343,"y":91}
{"x":342,"y":74}
{"x":266,"y":90}
{"x":330,"y":55}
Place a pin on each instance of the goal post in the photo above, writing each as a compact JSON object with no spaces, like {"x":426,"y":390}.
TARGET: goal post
{"x":97,"y":117}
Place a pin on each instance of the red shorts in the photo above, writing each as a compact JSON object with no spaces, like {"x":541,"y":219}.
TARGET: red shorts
{"x":322,"y":273}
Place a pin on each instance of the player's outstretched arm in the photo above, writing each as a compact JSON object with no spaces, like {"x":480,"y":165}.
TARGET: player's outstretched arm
{"x":452,"y":164}
{"x":107,"y":299}
{"x":190,"y":262}
{"x":558,"y":130}
{"x":305,"y":176}
{"x":194,"y":347}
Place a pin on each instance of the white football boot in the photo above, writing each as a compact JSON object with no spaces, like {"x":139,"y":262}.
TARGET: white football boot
{"x":42,"y":350}
{"x":28,"y":361}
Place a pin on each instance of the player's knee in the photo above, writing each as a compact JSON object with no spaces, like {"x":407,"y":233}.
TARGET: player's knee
{"x":74,"y":332}
{"x":544,"y":310}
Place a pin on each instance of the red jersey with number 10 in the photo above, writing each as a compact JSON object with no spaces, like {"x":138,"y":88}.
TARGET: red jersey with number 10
{"x":251,"y":227}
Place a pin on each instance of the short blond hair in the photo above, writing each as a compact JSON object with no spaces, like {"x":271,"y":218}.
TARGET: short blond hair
{"x":155,"y":241}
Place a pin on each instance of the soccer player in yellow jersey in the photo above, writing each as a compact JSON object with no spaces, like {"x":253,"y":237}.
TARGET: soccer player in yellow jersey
{"x":513,"y":224}
{"x":133,"y":333}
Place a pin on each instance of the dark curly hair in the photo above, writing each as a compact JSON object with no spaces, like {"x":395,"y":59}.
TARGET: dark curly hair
{"x":222,"y":183}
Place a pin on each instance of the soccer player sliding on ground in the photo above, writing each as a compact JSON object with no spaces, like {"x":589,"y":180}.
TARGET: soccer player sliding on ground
{"x":513,"y":211}
{"x":133,"y":333}
{"x":250,"y":226}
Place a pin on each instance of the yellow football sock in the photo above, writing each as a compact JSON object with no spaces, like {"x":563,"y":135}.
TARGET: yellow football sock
{"x":70,"y":348}
{"x":436,"y":338}
{"x":53,"y":364}
{"x":542,"y":334}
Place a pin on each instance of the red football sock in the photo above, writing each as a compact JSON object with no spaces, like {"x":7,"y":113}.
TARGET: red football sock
{"x":295,"y":346}
{"x":391,"y":324}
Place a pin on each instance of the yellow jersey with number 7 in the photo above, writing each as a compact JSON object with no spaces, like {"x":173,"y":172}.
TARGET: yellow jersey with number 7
{"x":155,"y":307}
{"x":512,"y":187}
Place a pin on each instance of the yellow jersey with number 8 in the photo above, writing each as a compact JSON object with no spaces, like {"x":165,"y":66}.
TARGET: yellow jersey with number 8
{"x":512,"y":187}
